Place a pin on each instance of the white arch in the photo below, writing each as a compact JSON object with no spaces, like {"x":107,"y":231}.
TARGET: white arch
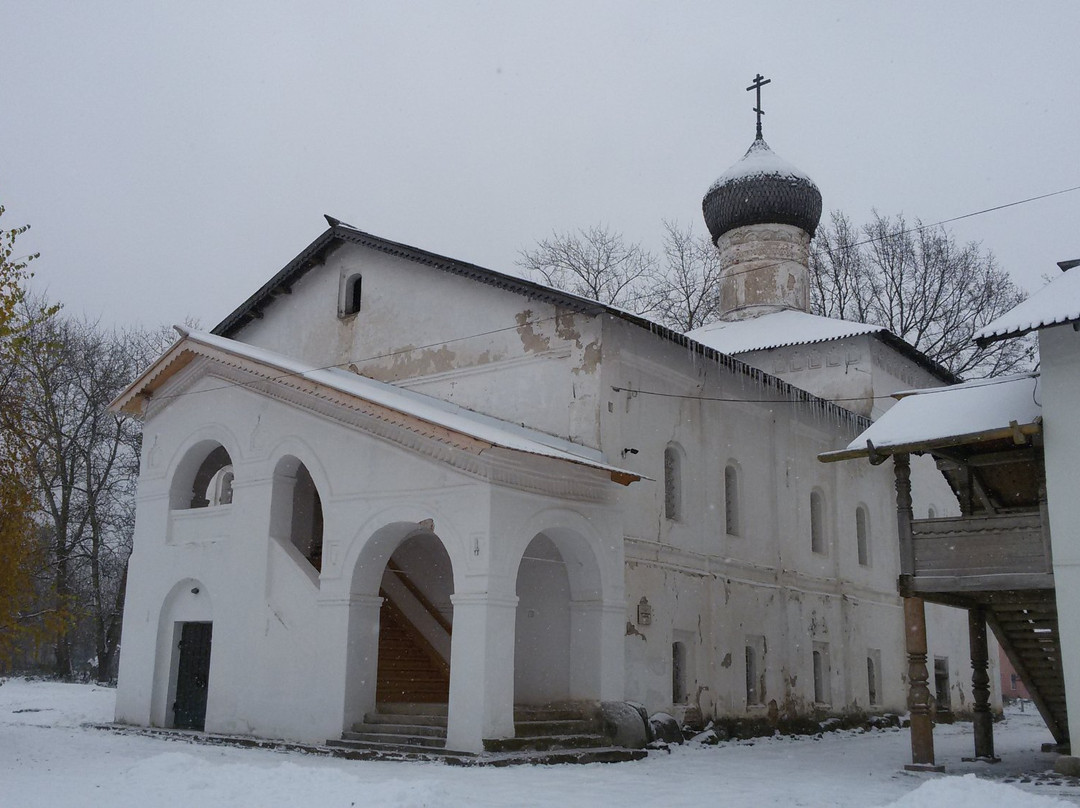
{"x":376,"y":539}
{"x":184,"y":463}
{"x":187,"y":601}
{"x":595,"y":572}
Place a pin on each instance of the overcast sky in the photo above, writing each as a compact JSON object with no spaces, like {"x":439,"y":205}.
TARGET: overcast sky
{"x":171,"y":157}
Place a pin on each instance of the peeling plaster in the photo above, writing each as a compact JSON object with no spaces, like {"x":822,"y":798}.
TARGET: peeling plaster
{"x":530,"y":340}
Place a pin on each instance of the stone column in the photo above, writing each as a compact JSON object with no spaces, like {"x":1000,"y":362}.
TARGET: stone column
{"x":980,"y":685}
{"x":919,"y":702}
{"x":481,"y":670}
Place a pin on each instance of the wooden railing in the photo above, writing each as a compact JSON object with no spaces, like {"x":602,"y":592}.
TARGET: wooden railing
{"x":980,"y":553}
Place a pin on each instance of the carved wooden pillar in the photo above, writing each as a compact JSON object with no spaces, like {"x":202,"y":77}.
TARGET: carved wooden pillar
{"x":902,"y":470}
{"x":980,"y":685}
{"x":919,"y":702}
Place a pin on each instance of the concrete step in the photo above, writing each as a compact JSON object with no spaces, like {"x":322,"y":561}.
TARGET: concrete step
{"x":385,"y":728}
{"x":395,"y":740}
{"x":545,"y":743}
{"x":398,"y":750}
{"x":411,"y":708}
{"x":579,"y":726}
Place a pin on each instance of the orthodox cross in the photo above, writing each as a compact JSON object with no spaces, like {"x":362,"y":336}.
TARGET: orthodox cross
{"x":759,"y":82}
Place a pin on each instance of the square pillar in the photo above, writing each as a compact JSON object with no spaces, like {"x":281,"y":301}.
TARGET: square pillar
{"x":481,"y":670}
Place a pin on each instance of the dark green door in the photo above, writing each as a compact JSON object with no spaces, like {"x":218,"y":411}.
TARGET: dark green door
{"x":192,"y":676}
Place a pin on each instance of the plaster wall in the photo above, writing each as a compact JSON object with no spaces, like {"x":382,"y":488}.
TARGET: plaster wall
{"x":444,"y":335}
{"x":714,"y":590}
{"x":860,"y":373}
{"x":1059,"y":356}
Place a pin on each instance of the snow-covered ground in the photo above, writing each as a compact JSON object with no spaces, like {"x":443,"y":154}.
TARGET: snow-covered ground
{"x":47,"y":758}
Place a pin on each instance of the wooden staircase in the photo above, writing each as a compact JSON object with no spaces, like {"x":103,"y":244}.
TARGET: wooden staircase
{"x":410,"y":670}
{"x":1028,"y":633}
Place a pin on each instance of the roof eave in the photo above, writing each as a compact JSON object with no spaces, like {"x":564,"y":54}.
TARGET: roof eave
{"x":1017,"y":432}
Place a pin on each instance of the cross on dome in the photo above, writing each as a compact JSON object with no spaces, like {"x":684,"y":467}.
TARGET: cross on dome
{"x":759,"y":82}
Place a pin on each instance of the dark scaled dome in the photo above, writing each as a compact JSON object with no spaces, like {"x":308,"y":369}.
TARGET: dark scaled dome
{"x":761,"y":189}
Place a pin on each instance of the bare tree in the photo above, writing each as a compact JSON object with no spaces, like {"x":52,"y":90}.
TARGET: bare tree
{"x":85,"y":463}
{"x":687,"y":292}
{"x":598,"y":264}
{"x":922,"y":285}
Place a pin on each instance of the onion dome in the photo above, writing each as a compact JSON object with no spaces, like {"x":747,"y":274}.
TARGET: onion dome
{"x":761,"y":189}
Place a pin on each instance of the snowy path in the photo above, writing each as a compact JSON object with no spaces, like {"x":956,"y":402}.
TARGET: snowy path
{"x":47,"y":759}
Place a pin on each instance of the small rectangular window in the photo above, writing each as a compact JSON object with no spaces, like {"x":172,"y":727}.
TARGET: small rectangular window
{"x":352,"y":290}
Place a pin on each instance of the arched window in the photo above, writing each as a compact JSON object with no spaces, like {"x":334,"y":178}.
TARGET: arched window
{"x":203,"y":479}
{"x":351,"y":295}
{"x":672,"y":483}
{"x":817,"y":522}
{"x":931,"y":513}
{"x":296,"y":510}
{"x":731,"y":500}
{"x":862,"y":535}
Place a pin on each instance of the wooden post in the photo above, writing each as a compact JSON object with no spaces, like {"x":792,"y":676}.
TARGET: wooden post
{"x":922,"y":724}
{"x":904,"y":516}
{"x":980,"y":686}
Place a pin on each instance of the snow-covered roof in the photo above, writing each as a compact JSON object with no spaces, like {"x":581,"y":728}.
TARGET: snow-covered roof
{"x":760,"y":160}
{"x":776,"y":330}
{"x":963,"y":413}
{"x":1057,"y":302}
{"x":424,"y":408}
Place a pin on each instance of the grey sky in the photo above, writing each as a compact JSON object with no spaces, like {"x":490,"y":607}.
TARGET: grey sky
{"x":172,"y":156}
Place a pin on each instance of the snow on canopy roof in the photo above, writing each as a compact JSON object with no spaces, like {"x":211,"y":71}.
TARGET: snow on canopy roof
{"x":435,"y":411}
{"x":953,"y":415}
{"x":1056,"y":303}
{"x":776,"y":330}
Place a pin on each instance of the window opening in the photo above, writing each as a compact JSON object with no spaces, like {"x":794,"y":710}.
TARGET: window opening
{"x":873,"y":677}
{"x":351,"y":295}
{"x":678,"y":673}
{"x":817,"y":522}
{"x":731,"y":500}
{"x":822,"y":674}
{"x":672,"y":484}
{"x":941,"y":683}
{"x":862,"y":535}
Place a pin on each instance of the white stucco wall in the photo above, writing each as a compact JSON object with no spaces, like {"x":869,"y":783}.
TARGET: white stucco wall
{"x":1059,"y":356}
{"x":452,"y":337}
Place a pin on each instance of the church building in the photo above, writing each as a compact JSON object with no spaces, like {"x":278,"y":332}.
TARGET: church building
{"x":398,"y":495}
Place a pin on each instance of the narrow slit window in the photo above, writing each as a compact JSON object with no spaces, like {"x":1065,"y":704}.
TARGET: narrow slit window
{"x":862,"y":535}
{"x":352,"y":294}
{"x":731,"y":500}
{"x":672,"y":484}
{"x":817,"y":522}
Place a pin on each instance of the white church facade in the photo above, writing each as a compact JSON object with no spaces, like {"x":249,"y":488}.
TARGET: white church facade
{"x":394,"y":478}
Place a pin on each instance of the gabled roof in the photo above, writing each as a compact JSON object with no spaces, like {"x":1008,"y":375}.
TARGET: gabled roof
{"x":786,"y":328}
{"x":1056,"y":303}
{"x":923,"y":420}
{"x":340,"y":233}
{"x":429,"y":416}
